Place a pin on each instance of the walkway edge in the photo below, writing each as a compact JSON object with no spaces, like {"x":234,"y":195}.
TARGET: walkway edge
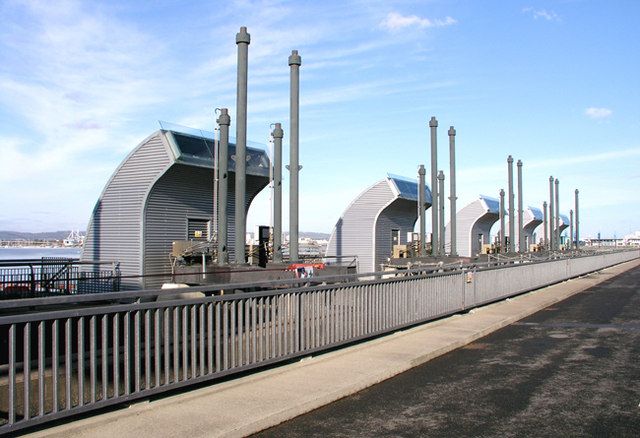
{"x":253,"y":403}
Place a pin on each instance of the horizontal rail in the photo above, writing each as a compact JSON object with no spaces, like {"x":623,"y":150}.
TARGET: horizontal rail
{"x":57,"y":363}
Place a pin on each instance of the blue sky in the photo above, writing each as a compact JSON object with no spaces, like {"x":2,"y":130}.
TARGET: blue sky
{"x":554,"y":83}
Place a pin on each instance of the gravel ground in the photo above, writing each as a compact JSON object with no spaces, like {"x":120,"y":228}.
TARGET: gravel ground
{"x":570,"y":370}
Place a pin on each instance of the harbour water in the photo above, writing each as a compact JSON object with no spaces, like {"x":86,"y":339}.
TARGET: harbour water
{"x":37,"y":253}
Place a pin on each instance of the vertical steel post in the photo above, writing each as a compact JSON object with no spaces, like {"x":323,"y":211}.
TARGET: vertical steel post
{"x":294,"y":62}
{"x":557,"y":216}
{"x":435,"y":246}
{"x":571,"y":229}
{"x":224,"y":120}
{"x":502,"y":223}
{"x":577,"y":222}
{"x":421,"y":210}
{"x":511,"y":200}
{"x":277,"y":134}
{"x":545,"y":241}
{"x":552,"y":237}
{"x":452,"y":191}
{"x":242,"y":41}
{"x":441,"y":250}
{"x":521,"y":243}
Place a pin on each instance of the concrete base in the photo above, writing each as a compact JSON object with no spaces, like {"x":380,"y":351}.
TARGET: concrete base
{"x":255,"y":402}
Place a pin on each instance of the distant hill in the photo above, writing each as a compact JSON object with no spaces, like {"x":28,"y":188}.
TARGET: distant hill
{"x":314,"y":235}
{"x":59,"y":235}
{"x":47,"y":235}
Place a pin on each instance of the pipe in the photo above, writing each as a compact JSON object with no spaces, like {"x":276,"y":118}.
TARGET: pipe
{"x":571,"y":229}
{"x":421,"y":210}
{"x":502,"y":224}
{"x":452,"y":189}
{"x":441,"y":249}
{"x":435,"y":245}
{"x":557,"y":217}
{"x":552,"y":237}
{"x":224,"y":120}
{"x":545,"y":242}
{"x":294,"y":62}
{"x":521,"y":243}
{"x":277,"y":134}
{"x":577,"y":222}
{"x":242,"y":41}
{"x":512,"y":225}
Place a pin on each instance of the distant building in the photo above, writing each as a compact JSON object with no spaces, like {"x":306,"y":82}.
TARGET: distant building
{"x":377,"y":219}
{"x":163,"y":192}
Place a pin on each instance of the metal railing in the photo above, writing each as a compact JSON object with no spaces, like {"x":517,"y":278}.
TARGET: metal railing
{"x":62,"y":362}
{"x":51,"y":276}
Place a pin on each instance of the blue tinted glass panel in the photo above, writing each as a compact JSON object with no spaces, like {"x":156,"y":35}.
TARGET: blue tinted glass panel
{"x":492,"y":204}
{"x":408,"y":188}
{"x":537,"y":213}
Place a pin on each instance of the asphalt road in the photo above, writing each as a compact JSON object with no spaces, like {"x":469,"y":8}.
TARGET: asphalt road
{"x":570,"y":370}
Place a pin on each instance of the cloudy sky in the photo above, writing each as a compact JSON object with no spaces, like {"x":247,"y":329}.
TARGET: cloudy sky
{"x":554,"y":83}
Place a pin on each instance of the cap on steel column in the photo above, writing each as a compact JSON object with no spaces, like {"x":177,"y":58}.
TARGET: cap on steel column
{"x":433,"y":123}
{"x":294,"y":58}
{"x":243,"y":36}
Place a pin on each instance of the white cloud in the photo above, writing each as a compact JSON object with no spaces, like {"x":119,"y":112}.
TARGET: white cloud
{"x":598,"y":113}
{"x":395,"y":21}
{"x":541,"y":13}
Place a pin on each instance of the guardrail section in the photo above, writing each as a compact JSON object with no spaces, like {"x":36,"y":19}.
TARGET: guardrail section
{"x":57,"y":363}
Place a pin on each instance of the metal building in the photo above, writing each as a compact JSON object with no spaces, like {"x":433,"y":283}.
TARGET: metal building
{"x":532,"y":218}
{"x":377,"y":219}
{"x":564,"y":223}
{"x":474,"y":224}
{"x":160,"y":193}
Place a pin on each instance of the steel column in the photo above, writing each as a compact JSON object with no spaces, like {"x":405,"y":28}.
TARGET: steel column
{"x":277,"y":134}
{"x":224,"y":120}
{"x":571,"y":229}
{"x":557,"y":216}
{"x":242,"y":41}
{"x":452,"y":191}
{"x":421,"y":210}
{"x":521,"y":243}
{"x":435,"y":246}
{"x":577,"y":221}
{"x":511,"y":206}
{"x":502,"y":223}
{"x":552,"y":238}
{"x":294,"y":63}
{"x":441,"y":250}
{"x":545,"y":224}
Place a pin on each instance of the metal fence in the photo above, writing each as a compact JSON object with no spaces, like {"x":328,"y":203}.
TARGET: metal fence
{"x":58,"y":363}
{"x":56,"y":276}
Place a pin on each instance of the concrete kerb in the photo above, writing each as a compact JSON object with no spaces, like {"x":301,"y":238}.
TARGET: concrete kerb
{"x":331,"y":376}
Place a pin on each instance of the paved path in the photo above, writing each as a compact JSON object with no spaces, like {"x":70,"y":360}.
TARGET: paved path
{"x":570,"y":370}
{"x":253,"y":403}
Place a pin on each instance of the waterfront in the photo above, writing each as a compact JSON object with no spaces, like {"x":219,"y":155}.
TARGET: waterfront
{"x":37,"y":253}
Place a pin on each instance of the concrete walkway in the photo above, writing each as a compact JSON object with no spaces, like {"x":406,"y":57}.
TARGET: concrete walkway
{"x":256,"y":402}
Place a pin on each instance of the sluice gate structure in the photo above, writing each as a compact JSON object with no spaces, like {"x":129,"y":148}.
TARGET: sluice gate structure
{"x":60,"y":360}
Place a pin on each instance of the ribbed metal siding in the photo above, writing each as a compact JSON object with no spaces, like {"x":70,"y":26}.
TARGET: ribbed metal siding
{"x":353,"y":234}
{"x":114,"y":231}
{"x":467,"y":221}
{"x":400,"y":215}
{"x":183,"y":192}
